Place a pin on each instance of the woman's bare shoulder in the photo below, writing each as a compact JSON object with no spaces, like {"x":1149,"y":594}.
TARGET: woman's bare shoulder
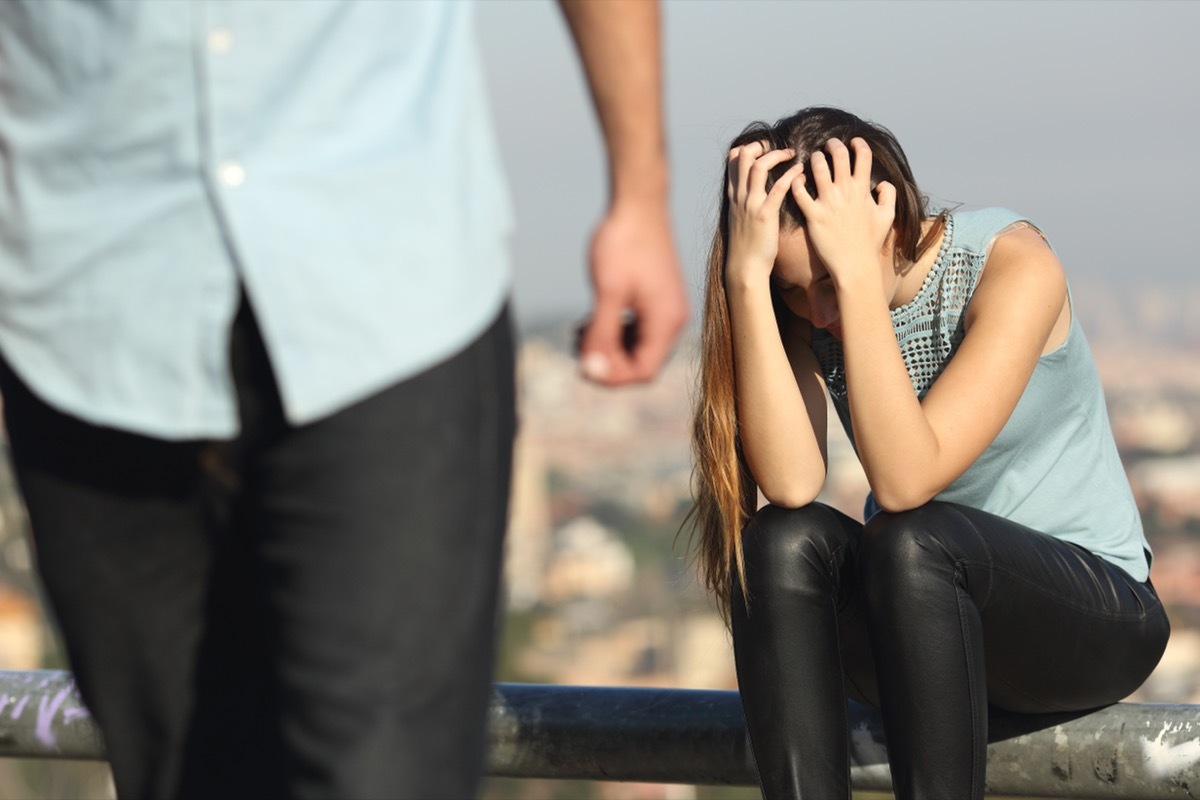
{"x":1020,"y":257}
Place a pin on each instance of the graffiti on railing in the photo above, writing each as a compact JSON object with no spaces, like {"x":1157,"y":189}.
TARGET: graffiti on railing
{"x":46,"y":704}
{"x":1164,"y":759}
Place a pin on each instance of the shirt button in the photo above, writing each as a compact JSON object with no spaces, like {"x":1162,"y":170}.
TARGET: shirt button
{"x":231,"y":173}
{"x":220,"y":41}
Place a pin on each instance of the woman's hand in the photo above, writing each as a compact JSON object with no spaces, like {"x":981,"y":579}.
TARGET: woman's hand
{"x":849,"y":220}
{"x":780,"y":404}
{"x":754,"y":212}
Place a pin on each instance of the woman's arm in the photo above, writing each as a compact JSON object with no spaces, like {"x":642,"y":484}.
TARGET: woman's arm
{"x":780,"y":395}
{"x":912,"y":449}
{"x":780,"y":404}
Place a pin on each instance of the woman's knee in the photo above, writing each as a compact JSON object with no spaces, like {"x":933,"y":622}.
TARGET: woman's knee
{"x":795,"y":549}
{"x":922,"y":544}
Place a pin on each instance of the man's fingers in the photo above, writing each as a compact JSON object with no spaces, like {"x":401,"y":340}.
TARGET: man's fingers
{"x":634,"y":273}
{"x":657,"y":328}
{"x":601,"y":357}
{"x":634,"y":350}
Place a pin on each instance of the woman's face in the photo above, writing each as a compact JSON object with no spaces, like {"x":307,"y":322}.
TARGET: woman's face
{"x":807,"y":287}
{"x":803,"y":282}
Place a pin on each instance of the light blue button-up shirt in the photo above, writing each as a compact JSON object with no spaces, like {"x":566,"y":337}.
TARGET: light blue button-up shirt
{"x":334,"y":158}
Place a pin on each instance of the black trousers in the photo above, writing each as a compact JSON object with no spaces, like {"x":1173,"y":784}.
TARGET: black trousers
{"x":930,"y":615}
{"x":303,"y":612}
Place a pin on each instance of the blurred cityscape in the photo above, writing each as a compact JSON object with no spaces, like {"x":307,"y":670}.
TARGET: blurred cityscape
{"x":600,"y":590}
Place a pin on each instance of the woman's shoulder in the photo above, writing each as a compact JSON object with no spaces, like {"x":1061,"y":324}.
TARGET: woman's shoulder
{"x":1021,"y":271}
{"x":1013,"y":257}
{"x":976,"y":229}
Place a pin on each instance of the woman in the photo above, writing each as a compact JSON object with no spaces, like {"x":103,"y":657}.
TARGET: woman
{"x":1002,"y":562}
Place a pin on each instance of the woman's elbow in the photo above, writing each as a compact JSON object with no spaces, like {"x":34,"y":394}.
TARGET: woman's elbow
{"x":795,"y":494}
{"x":901,"y":498}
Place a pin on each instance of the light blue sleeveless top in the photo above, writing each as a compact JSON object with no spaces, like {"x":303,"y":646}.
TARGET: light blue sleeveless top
{"x":1054,"y":466}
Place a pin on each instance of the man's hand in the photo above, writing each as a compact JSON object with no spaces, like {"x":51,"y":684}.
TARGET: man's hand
{"x":634,"y":270}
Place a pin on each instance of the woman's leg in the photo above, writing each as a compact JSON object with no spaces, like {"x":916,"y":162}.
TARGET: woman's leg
{"x":944,"y":584}
{"x":788,"y":651}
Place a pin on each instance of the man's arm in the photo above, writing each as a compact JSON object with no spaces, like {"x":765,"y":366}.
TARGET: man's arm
{"x":634,"y":266}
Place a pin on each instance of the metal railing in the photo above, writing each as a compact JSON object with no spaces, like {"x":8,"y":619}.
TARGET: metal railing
{"x":1129,"y":750}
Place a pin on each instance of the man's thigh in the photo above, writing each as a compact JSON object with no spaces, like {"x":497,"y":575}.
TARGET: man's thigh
{"x":380,"y":532}
{"x":123,"y":549}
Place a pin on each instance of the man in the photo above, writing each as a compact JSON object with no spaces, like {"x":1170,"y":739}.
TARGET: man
{"x":258,"y":370}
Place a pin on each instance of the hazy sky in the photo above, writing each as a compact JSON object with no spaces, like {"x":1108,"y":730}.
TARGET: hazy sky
{"x":1083,"y":115}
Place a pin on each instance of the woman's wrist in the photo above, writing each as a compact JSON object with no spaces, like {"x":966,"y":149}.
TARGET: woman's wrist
{"x":863,"y":282}
{"x":746,"y":278}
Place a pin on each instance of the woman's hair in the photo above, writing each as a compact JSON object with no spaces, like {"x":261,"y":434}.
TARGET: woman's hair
{"x":725,"y":491}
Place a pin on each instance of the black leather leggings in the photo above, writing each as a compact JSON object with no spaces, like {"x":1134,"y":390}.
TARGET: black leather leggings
{"x":899,"y":614}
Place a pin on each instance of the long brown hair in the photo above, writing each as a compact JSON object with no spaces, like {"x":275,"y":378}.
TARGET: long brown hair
{"x":725,"y":492}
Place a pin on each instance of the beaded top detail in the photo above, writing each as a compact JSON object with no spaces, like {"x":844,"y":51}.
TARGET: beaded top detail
{"x":929,"y":327}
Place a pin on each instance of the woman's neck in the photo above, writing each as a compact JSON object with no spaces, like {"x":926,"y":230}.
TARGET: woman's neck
{"x":910,"y":275}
